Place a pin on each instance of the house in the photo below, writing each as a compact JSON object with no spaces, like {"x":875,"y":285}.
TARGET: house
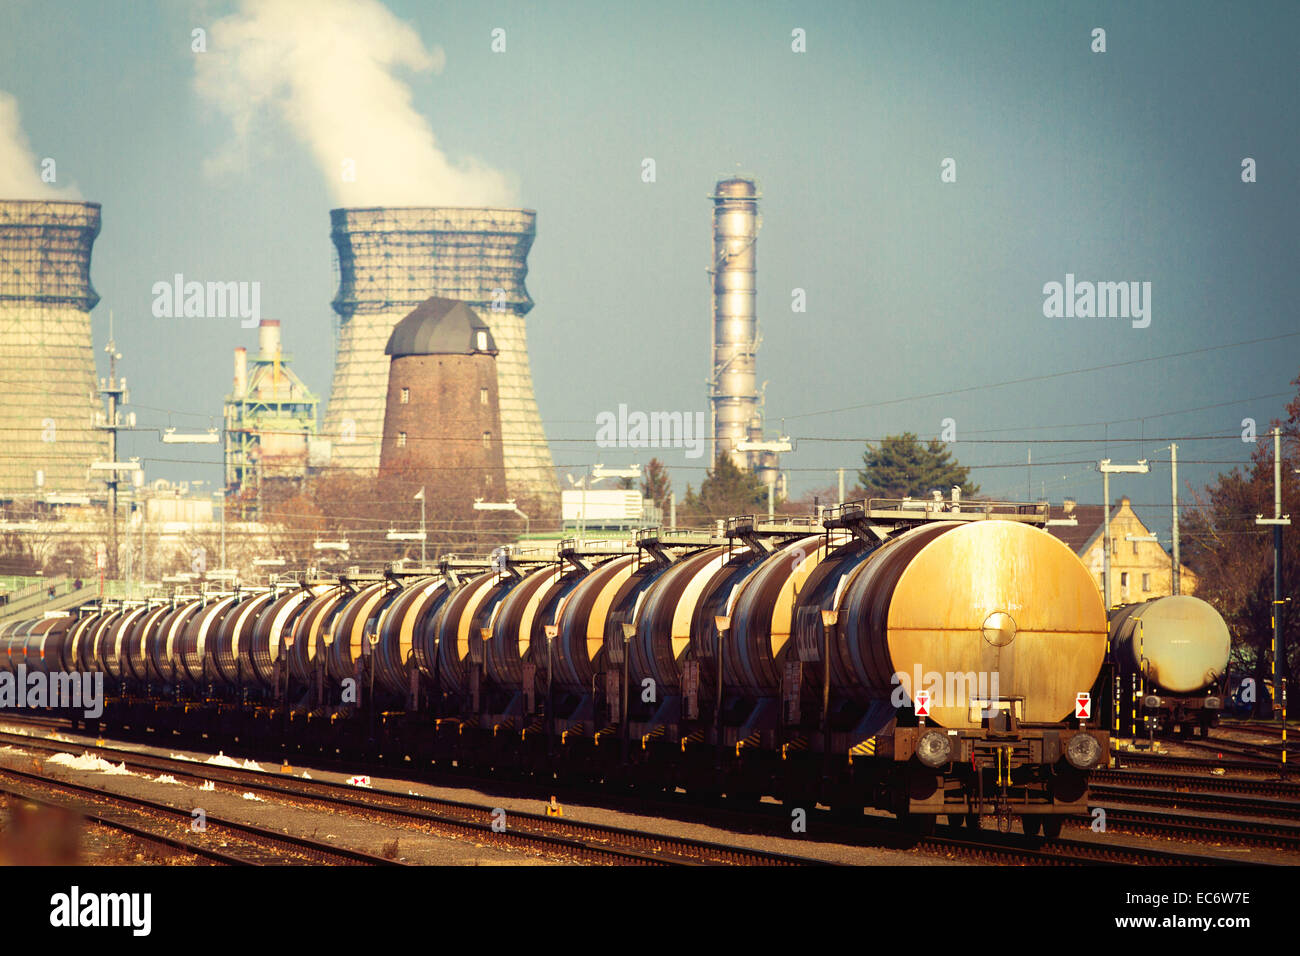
{"x":1139,"y":570}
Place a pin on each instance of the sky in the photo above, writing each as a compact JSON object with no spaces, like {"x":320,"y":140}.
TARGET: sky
{"x":924,"y":297}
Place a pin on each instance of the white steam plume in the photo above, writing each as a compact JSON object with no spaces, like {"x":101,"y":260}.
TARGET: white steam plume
{"x":327,"y":69}
{"x":20,"y":176}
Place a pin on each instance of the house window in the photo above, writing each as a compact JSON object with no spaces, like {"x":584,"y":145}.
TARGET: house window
{"x":1135,"y":547}
{"x":1146,"y":582}
{"x":1123,"y":580}
{"x":487,"y":439}
{"x":481,"y":339}
{"x":482,"y":396}
{"x":406,"y":396}
{"x":401,"y":439}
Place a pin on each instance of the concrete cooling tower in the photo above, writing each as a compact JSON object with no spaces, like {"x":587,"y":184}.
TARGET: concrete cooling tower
{"x":47,"y":360}
{"x":390,"y":260}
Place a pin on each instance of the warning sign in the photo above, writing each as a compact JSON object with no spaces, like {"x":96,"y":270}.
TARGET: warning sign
{"x":923,"y":703}
{"x":1083,"y":706}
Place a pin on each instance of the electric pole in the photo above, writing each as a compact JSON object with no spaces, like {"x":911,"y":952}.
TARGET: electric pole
{"x":1107,"y":469}
{"x":1278,"y":521}
{"x":1174,"y":573}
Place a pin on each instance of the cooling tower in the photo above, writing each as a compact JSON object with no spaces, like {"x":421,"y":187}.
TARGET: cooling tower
{"x":733,"y":387}
{"x":47,"y":360}
{"x":391,"y":260}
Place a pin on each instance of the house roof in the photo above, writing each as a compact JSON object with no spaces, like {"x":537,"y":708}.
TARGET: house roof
{"x":439,"y":327}
{"x":1080,"y":536}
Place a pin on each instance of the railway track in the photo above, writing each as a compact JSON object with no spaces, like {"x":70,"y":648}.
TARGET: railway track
{"x":1265,"y":729}
{"x":1198,"y":827}
{"x":121,"y":826}
{"x":1138,"y":780}
{"x":536,"y":832}
{"x":1010,"y":848}
{"x":1228,"y":803}
{"x":1205,"y":765}
{"x":244,"y":843}
{"x":981,"y":846}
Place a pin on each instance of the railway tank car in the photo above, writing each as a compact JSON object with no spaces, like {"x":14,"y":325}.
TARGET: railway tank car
{"x":1170,"y":655}
{"x":922,"y":658}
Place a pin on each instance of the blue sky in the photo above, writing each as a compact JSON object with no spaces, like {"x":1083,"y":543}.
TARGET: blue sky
{"x":1122,"y":165}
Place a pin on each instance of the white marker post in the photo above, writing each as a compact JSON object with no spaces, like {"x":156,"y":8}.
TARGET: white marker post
{"x":1083,"y":708}
{"x":922,"y":706}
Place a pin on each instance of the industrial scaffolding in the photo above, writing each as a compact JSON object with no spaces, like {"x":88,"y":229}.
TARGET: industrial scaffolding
{"x":270,"y":417}
{"x":50,"y":420}
{"x":389,"y":261}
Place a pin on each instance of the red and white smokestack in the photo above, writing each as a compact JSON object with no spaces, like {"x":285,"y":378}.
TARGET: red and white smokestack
{"x":241,"y":371}
{"x":268,"y":338}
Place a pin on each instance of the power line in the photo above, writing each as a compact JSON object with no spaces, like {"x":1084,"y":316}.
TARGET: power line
{"x":1042,"y":378}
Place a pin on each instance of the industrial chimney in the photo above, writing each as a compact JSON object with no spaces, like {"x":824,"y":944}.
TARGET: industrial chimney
{"x":47,"y":359}
{"x":390,"y":261}
{"x":733,"y":388}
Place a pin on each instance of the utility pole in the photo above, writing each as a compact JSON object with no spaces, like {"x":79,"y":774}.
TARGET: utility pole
{"x":1278,"y":521}
{"x":1107,"y":469}
{"x":114,"y":390}
{"x":1173,"y":477}
{"x":420,"y":498}
{"x":841,"y":486}
{"x":222,"y":495}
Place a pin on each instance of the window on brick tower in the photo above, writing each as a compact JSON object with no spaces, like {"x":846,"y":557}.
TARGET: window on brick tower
{"x":482,"y":396}
{"x":487,"y":439}
{"x":1135,"y":547}
{"x":482,"y":342}
{"x":401,"y":439}
{"x":406,"y":396}
{"x":1146,"y":582}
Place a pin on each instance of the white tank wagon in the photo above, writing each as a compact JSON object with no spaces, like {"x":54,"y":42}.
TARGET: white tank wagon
{"x":1172,"y":654}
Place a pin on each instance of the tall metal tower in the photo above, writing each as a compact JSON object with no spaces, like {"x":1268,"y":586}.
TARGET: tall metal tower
{"x":47,"y":362}
{"x":733,"y":386}
{"x":390,"y":260}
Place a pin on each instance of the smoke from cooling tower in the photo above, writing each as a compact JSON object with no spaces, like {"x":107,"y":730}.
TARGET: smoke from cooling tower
{"x":19,"y":171}
{"x":327,"y":70}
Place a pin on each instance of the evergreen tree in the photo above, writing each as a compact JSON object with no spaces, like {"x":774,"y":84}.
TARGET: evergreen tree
{"x":726,"y":491}
{"x":904,"y":466}
{"x":657,"y":486}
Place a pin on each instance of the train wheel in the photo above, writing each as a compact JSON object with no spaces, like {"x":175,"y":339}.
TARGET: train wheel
{"x":972,"y":821}
{"x":1052,"y":827}
{"x":1032,"y":824}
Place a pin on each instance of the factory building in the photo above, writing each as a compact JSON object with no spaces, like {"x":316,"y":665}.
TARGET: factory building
{"x":270,"y":417}
{"x":51,"y":417}
{"x":734,"y":395}
{"x":392,"y":260}
{"x":442,"y":419}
